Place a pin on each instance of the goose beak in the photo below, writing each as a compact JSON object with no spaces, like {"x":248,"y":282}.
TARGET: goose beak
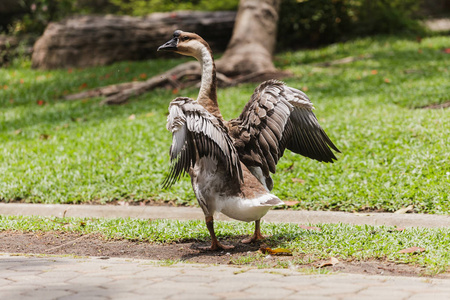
{"x":170,"y":45}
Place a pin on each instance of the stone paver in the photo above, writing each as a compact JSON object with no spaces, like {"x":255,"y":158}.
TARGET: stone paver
{"x":93,"y":278}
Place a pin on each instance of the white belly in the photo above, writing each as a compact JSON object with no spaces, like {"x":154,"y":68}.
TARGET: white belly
{"x":247,"y":210}
{"x":212,"y":188}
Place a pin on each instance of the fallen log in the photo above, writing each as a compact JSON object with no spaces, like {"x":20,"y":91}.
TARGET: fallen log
{"x":85,"y":41}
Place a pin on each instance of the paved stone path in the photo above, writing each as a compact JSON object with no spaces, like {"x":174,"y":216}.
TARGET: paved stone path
{"x":63,"y":278}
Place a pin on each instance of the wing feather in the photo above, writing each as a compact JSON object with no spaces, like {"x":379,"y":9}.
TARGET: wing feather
{"x":195,"y":134}
{"x":275,"y":128}
{"x":276,"y":118}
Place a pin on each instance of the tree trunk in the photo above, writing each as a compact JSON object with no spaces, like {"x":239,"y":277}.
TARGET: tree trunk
{"x":252,"y":44}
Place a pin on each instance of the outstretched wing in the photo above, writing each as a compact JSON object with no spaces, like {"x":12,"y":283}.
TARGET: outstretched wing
{"x":196,"y":133}
{"x":279,"y":117}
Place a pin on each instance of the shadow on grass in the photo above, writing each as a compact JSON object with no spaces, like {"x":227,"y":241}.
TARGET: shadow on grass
{"x":274,"y":241}
{"x":239,"y":248}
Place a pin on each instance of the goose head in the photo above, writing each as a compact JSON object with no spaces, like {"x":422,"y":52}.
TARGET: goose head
{"x":186,"y":43}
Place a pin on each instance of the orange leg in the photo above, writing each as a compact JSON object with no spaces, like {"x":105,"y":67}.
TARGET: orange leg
{"x":256,"y":236}
{"x":215,"y":244}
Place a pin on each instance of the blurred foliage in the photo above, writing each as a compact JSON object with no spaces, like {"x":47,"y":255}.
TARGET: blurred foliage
{"x":302,"y":22}
{"x":36,"y":15}
{"x":385,"y":16}
{"x":310,"y":23}
{"x":143,"y":7}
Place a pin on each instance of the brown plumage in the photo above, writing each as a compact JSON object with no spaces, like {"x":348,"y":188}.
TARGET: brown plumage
{"x":276,"y":118}
{"x":230,"y":162}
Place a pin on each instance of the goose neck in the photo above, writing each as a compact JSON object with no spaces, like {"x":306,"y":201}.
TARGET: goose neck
{"x":207,"y":96}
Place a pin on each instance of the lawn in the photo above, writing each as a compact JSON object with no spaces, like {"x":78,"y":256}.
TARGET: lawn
{"x":394,"y":153}
{"x":321,"y":242}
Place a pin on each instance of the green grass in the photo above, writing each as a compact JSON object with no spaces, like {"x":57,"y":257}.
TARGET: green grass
{"x":346,"y":242}
{"x":393,"y":155}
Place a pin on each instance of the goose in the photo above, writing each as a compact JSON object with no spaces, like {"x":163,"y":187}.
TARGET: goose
{"x":230,"y":162}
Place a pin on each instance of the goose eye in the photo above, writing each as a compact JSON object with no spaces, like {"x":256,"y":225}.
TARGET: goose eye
{"x":185,"y":38}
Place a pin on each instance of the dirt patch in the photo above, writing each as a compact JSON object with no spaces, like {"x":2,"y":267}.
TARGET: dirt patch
{"x":63,"y":243}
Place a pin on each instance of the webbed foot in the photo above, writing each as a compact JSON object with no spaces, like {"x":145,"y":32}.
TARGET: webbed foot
{"x":253,"y":238}
{"x":257,"y":236}
{"x":215,"y":244}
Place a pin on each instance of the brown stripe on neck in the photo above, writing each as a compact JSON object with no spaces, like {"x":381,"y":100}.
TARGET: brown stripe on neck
{"x":208,"y":90}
